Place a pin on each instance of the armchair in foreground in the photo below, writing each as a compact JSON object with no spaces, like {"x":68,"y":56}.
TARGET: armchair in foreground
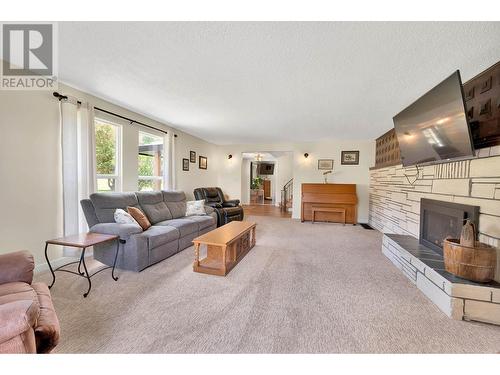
{"x":227,"y":210}
{"x":28,"y":321}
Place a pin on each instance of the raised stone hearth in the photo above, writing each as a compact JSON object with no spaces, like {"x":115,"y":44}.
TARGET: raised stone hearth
{"x":395,"y":202}
{"x":456,"y":297}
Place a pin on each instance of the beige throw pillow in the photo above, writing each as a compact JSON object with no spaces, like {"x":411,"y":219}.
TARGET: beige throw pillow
{"x":123,"y":217}
{"x":195,"y":208}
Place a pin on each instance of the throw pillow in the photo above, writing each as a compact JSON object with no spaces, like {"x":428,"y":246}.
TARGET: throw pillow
{"x":139,"y":216}
{"x":123,"y":217}
{"x":195,"y":208}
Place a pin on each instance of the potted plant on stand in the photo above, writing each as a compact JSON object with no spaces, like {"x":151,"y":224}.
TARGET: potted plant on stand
{"x":256,"y":191}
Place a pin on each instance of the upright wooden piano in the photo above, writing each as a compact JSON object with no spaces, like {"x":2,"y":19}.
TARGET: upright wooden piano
{"x":336,"y":203}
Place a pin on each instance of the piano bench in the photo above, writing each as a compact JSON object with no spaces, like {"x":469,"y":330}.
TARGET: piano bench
{"x":327,"y":209}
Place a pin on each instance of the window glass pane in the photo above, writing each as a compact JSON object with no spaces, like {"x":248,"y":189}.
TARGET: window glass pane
{"x":150,"y":162}
{"x":106,"y":184}
{"x":105,"y":145}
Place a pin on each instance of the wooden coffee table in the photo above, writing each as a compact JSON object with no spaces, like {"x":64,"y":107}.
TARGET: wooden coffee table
{"x":226,"y":246}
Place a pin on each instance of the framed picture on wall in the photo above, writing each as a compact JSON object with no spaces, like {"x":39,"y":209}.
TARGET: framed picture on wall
{"x":202,"y":162}
{"x":350,"y":158}
{"x":192,"y":156}
{"x":185,"y":164}
{"x":325,"y":164}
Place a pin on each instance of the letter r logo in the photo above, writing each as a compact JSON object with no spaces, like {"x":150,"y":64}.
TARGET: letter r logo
{"x":27,"y":49}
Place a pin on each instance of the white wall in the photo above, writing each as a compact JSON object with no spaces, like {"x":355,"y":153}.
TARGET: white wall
{"x":245,"y":181}
{"x":30,"y":166}
{"x":195,"y":177}
{"x":284,"y":172}
{"x":30,"y":188}
{"x":306,"y":170}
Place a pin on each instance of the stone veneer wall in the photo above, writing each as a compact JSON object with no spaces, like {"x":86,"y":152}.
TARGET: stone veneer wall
{"x":395,"y":203}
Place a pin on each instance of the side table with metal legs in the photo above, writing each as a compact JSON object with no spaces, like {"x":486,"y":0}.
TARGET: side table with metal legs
{"x":83,"y":241}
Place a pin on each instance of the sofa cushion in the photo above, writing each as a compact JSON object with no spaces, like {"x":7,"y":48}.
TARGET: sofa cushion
{"x":159,"y":235}
{"x":204,"y":221}
{"x":185,"y":226}
{"x":154,"y":206}
{"x":173,"y":196}
{"x":105,"y":204}
{"x":176,"y":203}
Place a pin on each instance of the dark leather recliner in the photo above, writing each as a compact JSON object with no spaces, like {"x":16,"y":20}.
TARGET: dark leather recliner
{"x":227,"y":210}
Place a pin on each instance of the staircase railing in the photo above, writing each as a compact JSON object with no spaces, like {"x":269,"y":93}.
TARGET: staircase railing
{"x":286,"y":195}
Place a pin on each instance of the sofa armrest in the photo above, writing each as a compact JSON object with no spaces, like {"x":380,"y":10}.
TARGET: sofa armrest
{"x":47,"y":329}
{"x":232,"y":203}
{"x":209,"y":209}
{"x":122,"y":230}
{"x":17,"y":266}
{"x":16,"y":317}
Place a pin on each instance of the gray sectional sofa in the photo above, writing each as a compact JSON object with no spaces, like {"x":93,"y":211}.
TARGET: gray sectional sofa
{"x":171,"y":230}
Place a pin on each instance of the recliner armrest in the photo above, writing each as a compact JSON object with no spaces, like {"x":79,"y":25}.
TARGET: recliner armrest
{"x":213,"y":204}
{"x":231,"y":203}
{"x":122,"y":230}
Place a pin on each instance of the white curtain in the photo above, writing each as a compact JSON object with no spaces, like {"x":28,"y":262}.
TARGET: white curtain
{"x":169,"y":165}
{"x":78,"y":161}
{"x":87,"y":161}
{"x":69,"y":145}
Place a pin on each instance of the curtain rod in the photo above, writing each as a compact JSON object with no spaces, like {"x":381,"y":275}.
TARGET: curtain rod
{"x":64,"y":97}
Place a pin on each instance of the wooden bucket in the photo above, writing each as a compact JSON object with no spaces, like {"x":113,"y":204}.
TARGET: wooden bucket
{"x":472,"y":263}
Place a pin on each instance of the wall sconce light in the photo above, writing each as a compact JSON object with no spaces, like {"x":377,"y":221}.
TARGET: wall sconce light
{"x":306,"y":155}
{"x":230,"y":156}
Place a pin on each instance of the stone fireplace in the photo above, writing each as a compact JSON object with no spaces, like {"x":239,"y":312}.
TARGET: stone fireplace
{"x":440,"y":219}
{"x":400,"y":210}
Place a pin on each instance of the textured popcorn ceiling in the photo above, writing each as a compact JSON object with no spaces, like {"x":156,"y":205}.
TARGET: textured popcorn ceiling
{"x":271,"y":82}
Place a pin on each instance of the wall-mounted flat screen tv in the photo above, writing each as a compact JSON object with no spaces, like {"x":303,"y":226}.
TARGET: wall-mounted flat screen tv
{"x":266,"y":168}
{"x":435,"y":127}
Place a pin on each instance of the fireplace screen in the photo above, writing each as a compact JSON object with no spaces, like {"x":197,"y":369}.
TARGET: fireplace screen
{"x":439,"y":220}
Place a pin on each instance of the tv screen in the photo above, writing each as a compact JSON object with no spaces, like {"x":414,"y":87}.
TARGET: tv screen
{"x":266,"y":168}
{"x":435,"y":128}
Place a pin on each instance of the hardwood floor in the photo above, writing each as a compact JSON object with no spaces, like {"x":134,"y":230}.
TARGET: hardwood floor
{"x":265,"y":210}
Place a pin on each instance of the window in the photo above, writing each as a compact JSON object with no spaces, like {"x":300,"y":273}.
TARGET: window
{"x":108,"y":161}
{"x":150,"y":162}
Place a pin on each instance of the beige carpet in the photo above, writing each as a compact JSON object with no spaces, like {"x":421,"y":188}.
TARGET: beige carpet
{"x":304,"y":288}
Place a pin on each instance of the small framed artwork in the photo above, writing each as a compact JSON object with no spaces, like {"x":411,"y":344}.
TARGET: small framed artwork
{"x":350,"y":158}
{"x":185,"y":164}
{"x":325,"y":164}
{"x":192,"y":156}
{"x":202,"y":162}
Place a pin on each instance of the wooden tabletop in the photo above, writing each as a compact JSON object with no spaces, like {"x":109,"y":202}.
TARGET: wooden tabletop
{"x":83,"y":239}
{"x":225,"y":234}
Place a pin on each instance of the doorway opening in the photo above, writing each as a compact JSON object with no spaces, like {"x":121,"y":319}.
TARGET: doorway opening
{"x":267,"y":183}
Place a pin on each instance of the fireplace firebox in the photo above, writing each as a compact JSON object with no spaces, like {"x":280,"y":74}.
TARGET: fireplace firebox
{"x":439,"y":219}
